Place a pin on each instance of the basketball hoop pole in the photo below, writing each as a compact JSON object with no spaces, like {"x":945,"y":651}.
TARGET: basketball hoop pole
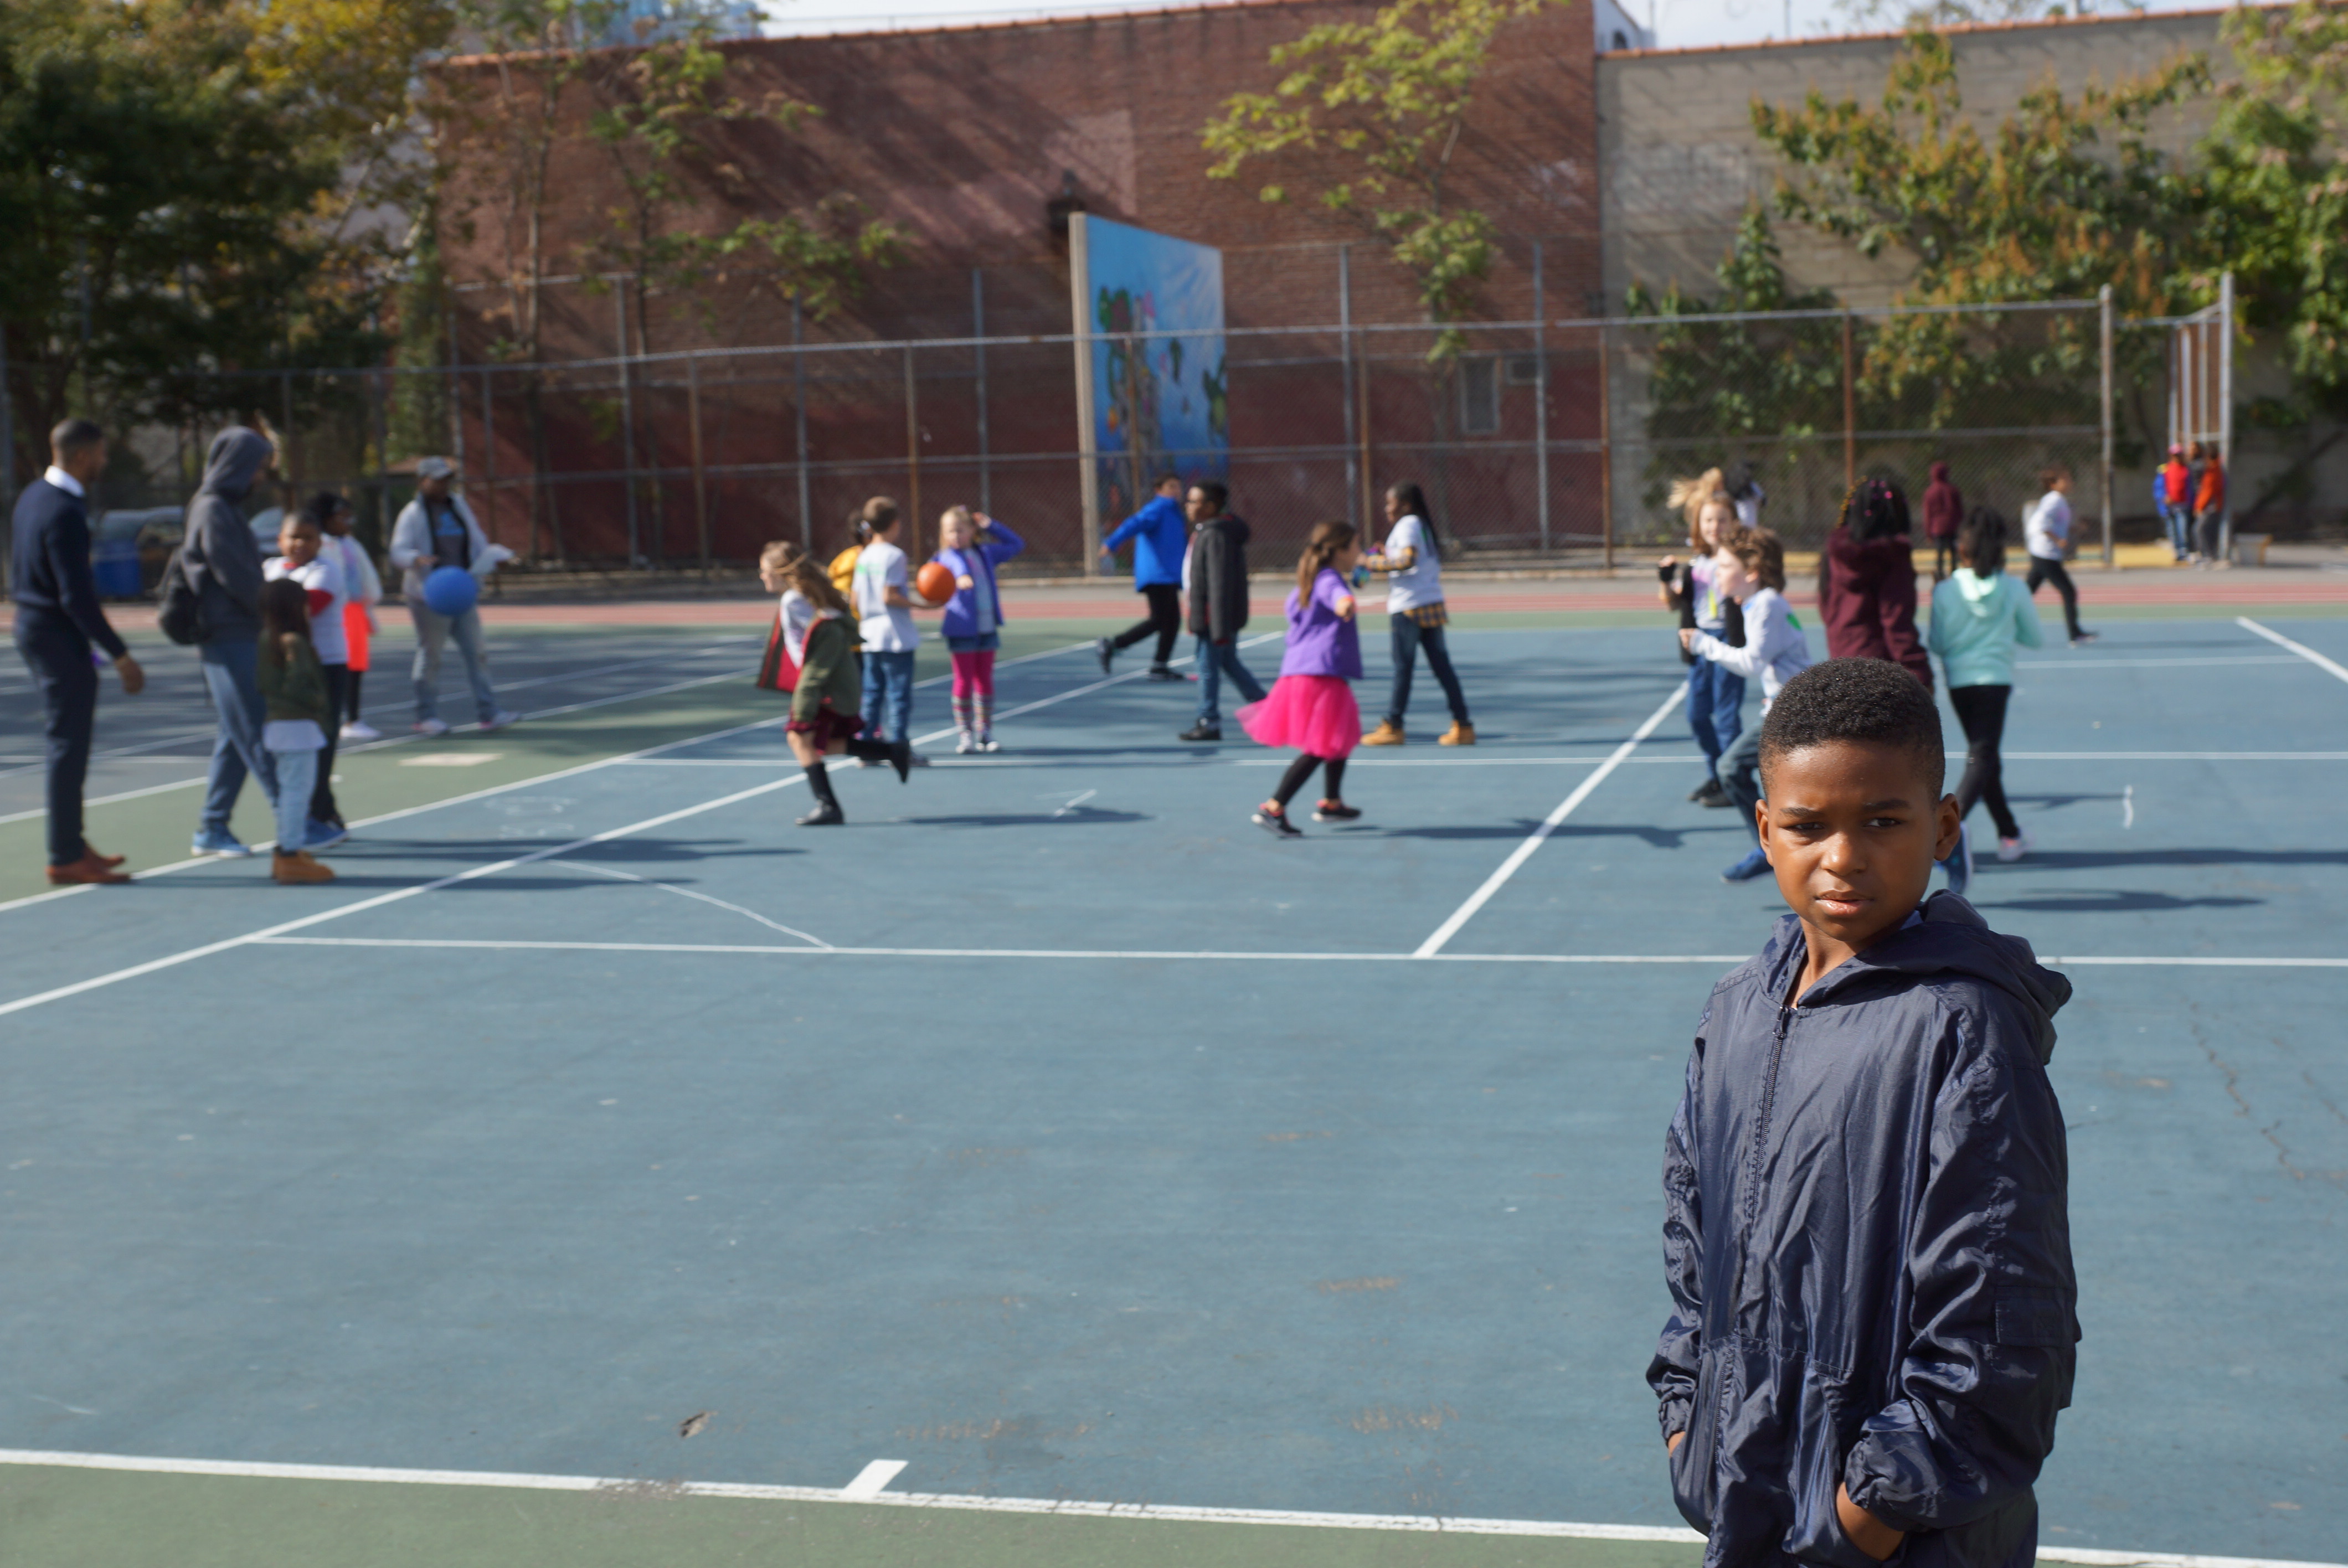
{"x":2104,"y":302}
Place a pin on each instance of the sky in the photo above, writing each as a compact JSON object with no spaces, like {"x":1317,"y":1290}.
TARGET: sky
{"x":1680,"y":24}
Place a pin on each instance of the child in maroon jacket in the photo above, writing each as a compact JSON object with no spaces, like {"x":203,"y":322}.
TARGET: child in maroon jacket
{"x":1944,"y":513}
{"x":1867,"y":581}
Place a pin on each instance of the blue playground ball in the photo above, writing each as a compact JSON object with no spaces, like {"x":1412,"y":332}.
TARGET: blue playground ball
{"x":451,"y":590}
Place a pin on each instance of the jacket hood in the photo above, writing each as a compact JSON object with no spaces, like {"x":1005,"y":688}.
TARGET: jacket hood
{"x":1235,"y":526}
{"x":236,"y":458}
{"x":1980,"y":593}
{"x":1940,"y":473}
{"x":1869,"y":559}
{"x":1951,"y":939}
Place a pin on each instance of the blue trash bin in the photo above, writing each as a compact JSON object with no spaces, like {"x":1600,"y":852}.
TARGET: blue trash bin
{"x":115,"y":564}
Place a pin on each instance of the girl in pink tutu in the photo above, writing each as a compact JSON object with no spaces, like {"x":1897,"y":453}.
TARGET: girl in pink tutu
{"x":1310,"y":706}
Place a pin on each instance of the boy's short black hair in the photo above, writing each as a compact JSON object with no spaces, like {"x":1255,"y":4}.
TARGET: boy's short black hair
{"x":1216,"y":495}
{"x":1870,"y":701}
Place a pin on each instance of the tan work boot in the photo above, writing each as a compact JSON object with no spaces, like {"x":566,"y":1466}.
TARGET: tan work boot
{"x":1458,"y":734}
{"x":1386,"y":734}
{"x":298,"y":866}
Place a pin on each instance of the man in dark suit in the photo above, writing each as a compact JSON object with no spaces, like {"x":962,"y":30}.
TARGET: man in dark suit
{"x":57,"y":620}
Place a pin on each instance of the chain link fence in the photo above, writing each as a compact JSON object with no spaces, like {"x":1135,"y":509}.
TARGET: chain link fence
{"x":1536,"y":441}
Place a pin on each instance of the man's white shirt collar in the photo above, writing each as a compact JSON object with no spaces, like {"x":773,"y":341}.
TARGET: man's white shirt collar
{"x":64,"y":481}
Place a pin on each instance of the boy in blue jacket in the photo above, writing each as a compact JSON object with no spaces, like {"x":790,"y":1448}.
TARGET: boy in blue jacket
{"x":1158,"y":538}
{"x":1865,"y":1235}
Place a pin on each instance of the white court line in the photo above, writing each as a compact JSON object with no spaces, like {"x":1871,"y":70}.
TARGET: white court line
{"x":2301,"y":648}
{"x":2151,"y":663}
{"x":2178,"y":756}
{"x":1416,"y":1524}
{"x":1524,"y":852}
{"x":396,"y":895}
{"x":1198,"y":956}
{"x":872,"y":1480}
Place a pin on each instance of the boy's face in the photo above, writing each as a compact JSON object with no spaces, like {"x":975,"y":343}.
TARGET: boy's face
{"x":886,"y":532}
{"x":1171,"y":489}
{"x":1851,"y":829}
{"x":1197,"y":507}
{"x":297,"y":541}
{"x":1728,"y":574}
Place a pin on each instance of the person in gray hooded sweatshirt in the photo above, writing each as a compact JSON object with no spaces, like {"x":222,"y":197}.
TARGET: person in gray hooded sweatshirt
{"x":223,"y":566}
{"x":1866,"y":1231}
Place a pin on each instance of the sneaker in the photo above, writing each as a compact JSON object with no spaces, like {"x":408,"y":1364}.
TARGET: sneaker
{"x":1711,"y":794}
{"x":1274,"y":821}
{"x":827,"y":814}
{"x":297,"y":868}
{"x":359,"y":730}
{"x":1387,"y":734}
{"x":1336,"y":810}
{"x":1105,"y":651}
{"x":432,"y":728}
{"x":921,"y":761}
{"x":1960,"y":863}
{"x":989,"y":743}
{"x":1746,"y":869}
{"x":2084,"y":637}
{"x":500,"y":719}
{"x":1460,"y":734}
{"x":965,"y":744}
{"x":324,"y":834}
{"x":1202,"y":730}
{"x":1161,"y":672}
{"x":218,"y":841}
{"x":2010,"y":850}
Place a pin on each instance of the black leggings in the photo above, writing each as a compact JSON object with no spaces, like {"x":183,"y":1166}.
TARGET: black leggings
{"x":2045,"y":571}
{"x":1302,"y":769}
{"x":1165,"y":619}
{"x":1982,"y":711}
{"x":357,"y":676}
{"x":322,"y":794}
{"x":1944,"y":557}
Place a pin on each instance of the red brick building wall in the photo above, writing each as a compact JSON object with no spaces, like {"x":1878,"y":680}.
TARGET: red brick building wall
{"x":960,"y":138}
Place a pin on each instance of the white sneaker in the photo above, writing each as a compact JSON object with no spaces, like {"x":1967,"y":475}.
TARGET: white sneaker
{"x":360,"y":729}
{"x":989,"y":743}
{"x":500,"y":719}
{"x":433,"y":728}
{"x":919,"y":760}
{"x":965,"y":744}
{"x":2012,"y":849}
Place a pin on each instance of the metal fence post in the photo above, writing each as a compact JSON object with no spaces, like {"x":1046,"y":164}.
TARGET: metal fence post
{"x":799,"y":420}
{"x":1849,"y":411}
{"x":1346,"y":373}
{"x":292,"y":466}
{"x":7,"y":470}
{"x":700,"y":476}
{"x":1080,"y":293}
{"x":912,"y":448}
{"x":455,"y":386}
{"x":627,"y":415}
{"x":489,"y":453}
{"x":2226,"y":413}
{"x":2104,"y":305}
{"x":1605,"y":451}
{"x":978,"y":331}
{"x":1540,"y":398}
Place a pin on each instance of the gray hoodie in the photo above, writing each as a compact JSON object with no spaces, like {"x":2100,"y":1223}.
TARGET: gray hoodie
{"x":222,"y":560}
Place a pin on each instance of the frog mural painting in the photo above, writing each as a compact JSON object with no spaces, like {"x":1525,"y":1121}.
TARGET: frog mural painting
{"x":1155,"y":305}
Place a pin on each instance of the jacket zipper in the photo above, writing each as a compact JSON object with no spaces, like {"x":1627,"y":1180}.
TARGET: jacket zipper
{"x":1752,"y":1213}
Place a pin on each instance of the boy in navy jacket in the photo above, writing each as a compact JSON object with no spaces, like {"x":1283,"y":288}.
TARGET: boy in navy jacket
{"x":1865,"y":1236}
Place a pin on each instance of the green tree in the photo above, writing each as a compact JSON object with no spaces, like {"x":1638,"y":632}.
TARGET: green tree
{"x":1371,"y":113}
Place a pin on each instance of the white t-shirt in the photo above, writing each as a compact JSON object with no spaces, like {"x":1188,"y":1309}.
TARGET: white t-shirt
{"x":2047,"y":530}
{"x":886,"y":628}
{"x":327,"y":634}
{"x":1422,"y":585}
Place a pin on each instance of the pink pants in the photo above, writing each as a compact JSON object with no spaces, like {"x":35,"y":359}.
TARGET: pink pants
{"x":973,"y":673}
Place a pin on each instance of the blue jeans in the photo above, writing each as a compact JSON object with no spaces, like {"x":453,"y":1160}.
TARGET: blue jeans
{"x":2178,"y":517}
{"x":297,"y":775}
{"x":1409,"y":637}
{"x":1217,"y":659}
{"x":1715,"y":708}
{"x":1739,"y":773}
{"x":434,"y":631}
{"x":887,"y":706}
{"x":232,"y":676}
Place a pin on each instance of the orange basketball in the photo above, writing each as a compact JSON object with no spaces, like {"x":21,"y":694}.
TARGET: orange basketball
{"x":935,"y":582}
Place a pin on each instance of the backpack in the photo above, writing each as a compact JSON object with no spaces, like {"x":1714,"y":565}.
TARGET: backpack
{"x":180,"y":615}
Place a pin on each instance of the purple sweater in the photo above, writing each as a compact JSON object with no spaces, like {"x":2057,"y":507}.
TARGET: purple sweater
{"x":1321,"y":642}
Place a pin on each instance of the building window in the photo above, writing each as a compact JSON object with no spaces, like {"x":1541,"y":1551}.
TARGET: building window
{"x":1480,"y":396}
{"x":1524,"y":370}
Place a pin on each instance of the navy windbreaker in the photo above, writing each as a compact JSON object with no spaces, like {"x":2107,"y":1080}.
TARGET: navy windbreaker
{"x":1868,"y":1251}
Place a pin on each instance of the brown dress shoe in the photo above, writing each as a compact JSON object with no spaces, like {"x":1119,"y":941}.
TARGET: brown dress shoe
{"x":1385,"y":735}
{"x":91,"y":867}
{"x":298,"y":866}
{"x":1458,"y":734}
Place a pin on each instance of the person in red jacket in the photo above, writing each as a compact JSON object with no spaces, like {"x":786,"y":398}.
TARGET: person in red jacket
{"x":1944,"y":513}
{"x":1867,"y":581}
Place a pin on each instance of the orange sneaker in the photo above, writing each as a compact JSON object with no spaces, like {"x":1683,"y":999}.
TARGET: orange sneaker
{"x":297,"y":868}
{"x":1386,"y":734}
{"x":1457,"y":735}
{"x":92,"y":868}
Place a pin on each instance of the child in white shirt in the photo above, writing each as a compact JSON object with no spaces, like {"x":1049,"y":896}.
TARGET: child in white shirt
{"x":884,"y":611}
{"x":302,"y":557}
{"x":1751,"y":569}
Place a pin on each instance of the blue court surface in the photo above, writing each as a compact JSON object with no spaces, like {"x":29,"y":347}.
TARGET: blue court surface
{"x":1054,"y":1132}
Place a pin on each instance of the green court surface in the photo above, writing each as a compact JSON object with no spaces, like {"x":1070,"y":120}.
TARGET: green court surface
{"x":1048,"y":1167}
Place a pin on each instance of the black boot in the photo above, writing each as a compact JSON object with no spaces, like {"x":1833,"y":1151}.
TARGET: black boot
{"x":826,"y":811}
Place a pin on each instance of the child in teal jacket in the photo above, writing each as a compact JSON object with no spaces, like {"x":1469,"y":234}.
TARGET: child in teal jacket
{"x":1980,"y":615}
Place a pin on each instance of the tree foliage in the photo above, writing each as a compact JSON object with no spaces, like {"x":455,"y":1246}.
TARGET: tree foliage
{"x":1371,"y":113}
